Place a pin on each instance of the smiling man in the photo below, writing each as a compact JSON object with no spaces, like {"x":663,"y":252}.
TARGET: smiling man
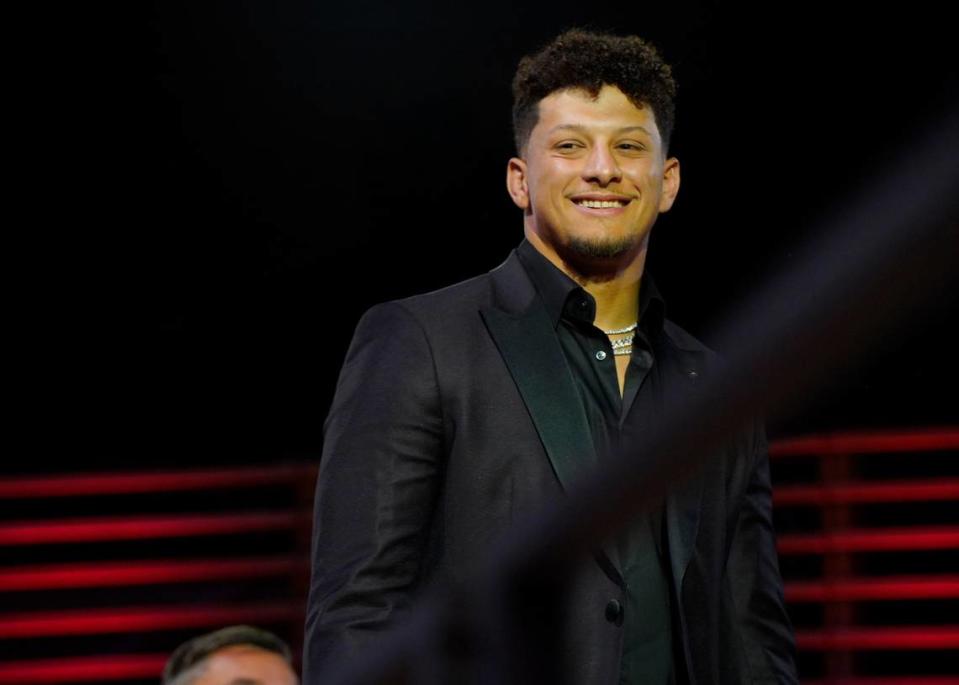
{"x":461,"y":411}
{"x":592,"y":180}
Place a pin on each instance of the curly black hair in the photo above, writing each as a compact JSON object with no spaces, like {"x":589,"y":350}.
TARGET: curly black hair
{"x":584,"y":59}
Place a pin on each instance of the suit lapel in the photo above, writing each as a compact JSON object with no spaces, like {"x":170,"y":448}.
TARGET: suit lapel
{"x":524,"y":335}
{"x":536,"y":362}
{"x":683,"y":502}
{"x":682,"y":524}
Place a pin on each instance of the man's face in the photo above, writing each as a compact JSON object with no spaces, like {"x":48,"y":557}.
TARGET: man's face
{"x":245,"y":665}
{"x":593,"y":178}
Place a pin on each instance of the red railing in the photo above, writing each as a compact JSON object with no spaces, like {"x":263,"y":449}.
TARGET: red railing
{"x":120,"y":574}
{"x":842,"y":487}
{"x":266,"y":585}
{"x":836,"y":492}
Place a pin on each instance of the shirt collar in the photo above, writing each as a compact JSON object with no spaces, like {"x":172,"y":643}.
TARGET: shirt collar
{"x":565,"y":298}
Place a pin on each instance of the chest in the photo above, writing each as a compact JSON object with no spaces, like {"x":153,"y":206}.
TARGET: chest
{"x":622,"y":362}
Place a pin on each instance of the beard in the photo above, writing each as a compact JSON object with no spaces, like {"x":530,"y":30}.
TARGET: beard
{"x":603,"y":248}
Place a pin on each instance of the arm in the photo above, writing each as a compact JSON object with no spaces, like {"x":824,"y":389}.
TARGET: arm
{"x":753,"y":572}
{"x":376,"y":488}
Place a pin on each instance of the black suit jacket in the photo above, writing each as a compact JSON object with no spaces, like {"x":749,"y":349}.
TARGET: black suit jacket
{"x":455,"y":415}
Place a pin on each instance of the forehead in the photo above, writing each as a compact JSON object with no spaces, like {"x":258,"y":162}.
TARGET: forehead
{"x":246,"y":663}
{"x":609,"y":111}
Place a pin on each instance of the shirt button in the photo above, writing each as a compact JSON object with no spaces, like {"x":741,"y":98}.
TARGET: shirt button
{"x":614,"y":612}
{"x":601,"y":355}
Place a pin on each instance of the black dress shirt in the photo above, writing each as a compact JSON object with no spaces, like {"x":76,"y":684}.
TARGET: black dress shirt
{"x":648,"y":649}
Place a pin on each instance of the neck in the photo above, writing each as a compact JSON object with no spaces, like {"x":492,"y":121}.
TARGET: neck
{"x":613,"y":283}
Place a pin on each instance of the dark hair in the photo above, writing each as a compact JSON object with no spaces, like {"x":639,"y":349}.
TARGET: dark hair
{"x":192,"y":652}
{"x":587,"y":60}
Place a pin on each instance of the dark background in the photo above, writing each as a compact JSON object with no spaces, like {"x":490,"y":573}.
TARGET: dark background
{"x":237,"y":182}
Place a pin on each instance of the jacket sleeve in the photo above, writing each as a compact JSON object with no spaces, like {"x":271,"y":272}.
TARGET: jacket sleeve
{"x":376,"y":489}
{"x":753,"y":570}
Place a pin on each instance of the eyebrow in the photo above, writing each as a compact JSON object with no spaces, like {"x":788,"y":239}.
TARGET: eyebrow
{"x":582,"y":129}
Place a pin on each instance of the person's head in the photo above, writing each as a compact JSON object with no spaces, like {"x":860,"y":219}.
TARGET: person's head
{"x":236,"y":655}
{"x":592,"y":118}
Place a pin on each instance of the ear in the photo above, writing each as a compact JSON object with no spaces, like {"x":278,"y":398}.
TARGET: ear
{"x":516,"y":182}
{"x":670,"y":184}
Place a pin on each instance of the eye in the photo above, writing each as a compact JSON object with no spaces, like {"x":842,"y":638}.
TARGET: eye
{"x":568,"y":145}
{"x":631,"y":146}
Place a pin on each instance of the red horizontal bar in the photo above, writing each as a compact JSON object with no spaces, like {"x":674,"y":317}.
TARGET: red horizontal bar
{"x":140,"y":619}
{"x":145,"y":527}
{"x":84,"y":669}
{"x":867,"y":442}
{"x":166,"y":481}
{"x":872,"y":540}
{"x":888,"y":680}
{"x":894,"y":637}
{"x":888,"y":588}
{"x":78,"y":575}
{"x":859,"y":493}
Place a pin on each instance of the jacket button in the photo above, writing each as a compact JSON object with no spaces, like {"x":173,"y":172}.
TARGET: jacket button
{"x":614,"y":612}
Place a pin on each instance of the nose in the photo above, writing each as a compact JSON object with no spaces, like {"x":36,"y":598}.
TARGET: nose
{"x":601,"y":166}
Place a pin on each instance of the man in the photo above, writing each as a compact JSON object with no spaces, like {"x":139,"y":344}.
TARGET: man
{"x":462,"y":411}
{"x":236,"y":655}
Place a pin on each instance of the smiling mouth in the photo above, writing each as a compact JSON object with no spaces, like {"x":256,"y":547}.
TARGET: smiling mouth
{"x":601,"y":204}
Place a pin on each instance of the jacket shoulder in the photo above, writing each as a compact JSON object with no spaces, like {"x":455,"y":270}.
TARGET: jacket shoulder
{"x":472,"y":292}
{"x":684,"y":340}
{"x":447,"y":304}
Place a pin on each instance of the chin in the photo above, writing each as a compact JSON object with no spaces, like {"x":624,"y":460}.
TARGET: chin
{"x":603,"y":248}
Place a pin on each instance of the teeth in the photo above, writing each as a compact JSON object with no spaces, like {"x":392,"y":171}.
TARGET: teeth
{"x":600,"y":204}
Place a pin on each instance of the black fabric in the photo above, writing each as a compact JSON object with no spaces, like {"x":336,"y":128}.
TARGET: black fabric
{"x":647,"y":646}
{"x":455,"y":417}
